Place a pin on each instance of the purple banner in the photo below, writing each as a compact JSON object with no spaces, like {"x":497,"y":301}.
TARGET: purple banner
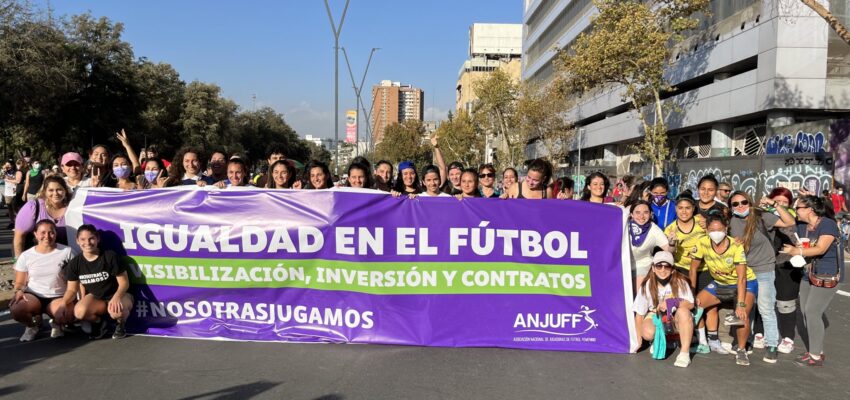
{"x":364,"y":267}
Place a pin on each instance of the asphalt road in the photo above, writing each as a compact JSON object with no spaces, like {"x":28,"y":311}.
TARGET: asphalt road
{"x":162,"y":368}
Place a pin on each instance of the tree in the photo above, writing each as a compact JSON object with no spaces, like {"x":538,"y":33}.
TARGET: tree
{"x":629,"y":46}
{"x":495,"y":109}
{"x":461,"y":140}
{"x":831,"y":19}
{"x":257,"y":130}
{"x":162,"y":90}
{"x":207,"y":118}
{"x":403,"y":142}
{"x":541,"y":117}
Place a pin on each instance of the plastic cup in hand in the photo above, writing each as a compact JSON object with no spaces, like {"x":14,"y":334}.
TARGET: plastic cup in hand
{"x":805,"y":242}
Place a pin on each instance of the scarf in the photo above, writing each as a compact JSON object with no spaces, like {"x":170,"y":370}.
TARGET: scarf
{"x":638,"y":232}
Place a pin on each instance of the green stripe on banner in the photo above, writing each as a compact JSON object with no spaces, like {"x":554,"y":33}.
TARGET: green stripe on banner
{"x":372,"y":277}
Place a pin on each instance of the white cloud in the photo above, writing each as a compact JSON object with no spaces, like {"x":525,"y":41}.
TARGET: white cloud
{"x":307,"y":120}
{"x":435,"y":114}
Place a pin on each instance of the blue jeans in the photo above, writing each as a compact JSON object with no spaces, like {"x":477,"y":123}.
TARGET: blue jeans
{"x":767,"y":306}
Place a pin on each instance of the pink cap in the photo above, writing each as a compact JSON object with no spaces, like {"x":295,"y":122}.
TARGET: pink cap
{"x":68,"y":157}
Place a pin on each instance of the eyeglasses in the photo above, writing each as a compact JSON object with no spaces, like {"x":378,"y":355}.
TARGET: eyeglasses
{"x":740,"y":203}
{"x":486,"y":175}
{"x":661,"y":266}
{"x":799,"y":207}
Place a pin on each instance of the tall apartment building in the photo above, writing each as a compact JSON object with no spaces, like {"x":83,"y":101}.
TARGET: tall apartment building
{"x":393,"y":102}
{"x":754,"y":71}
{"x":491,"y":47}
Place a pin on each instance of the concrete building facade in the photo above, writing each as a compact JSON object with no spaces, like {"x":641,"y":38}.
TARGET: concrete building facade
{"x":491,"y":47}
{"x":393,"y":102}
{"x":752,"y":70}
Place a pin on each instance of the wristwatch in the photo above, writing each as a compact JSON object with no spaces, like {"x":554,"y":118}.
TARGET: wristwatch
{"x":741,"y":304}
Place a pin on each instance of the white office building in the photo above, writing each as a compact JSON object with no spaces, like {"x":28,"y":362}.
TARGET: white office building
{"x":755,"y":67}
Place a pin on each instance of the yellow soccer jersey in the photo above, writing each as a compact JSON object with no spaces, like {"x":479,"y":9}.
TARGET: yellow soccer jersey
{"x":722,"y":266}
{"x":686,"y":244}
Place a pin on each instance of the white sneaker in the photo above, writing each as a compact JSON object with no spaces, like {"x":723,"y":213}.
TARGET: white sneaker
{"x":56,"y":330}
{"x":786,"y":347}
{"x":29,"y":333}
{"x":758,"y":341}
{"x":683,"y":360}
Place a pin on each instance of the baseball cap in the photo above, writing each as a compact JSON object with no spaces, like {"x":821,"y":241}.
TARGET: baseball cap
{"x":663,"y":257}
{"x":71,"y":156}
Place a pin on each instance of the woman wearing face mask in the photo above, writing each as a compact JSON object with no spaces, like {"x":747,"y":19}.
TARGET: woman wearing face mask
{"x":50,"y":204}
{"x":645,"y":237}
{"x":468,"y":184}
{"x":121,"y":169}
{"x":217,"y":167}
{"x":732,"y":280}
{"x":821,"y":249}
{"x":663,"y":210}
{"x":487,"y":178}
{"x":34,"y":180}
{"x":684,"y":235}
{"x":535,"y":186}
{"x":663,"y":282}
{"x":358,"y":176}
{"x":752,"y":228}
{"x":408,"y":181}
{"x":153,"y":176}
{"x":788,"y":278}
{"x":282,"y":175}
{"x":595,"y":188}
{"x":317,"y":175}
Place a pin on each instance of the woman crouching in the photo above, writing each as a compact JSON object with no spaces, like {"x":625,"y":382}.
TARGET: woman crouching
{"x":101,"y":278}
{"x":664,"y":283}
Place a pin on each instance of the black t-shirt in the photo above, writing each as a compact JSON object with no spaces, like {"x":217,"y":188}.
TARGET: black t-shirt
{"x":717,"y":208}
{"x":99,"y":276}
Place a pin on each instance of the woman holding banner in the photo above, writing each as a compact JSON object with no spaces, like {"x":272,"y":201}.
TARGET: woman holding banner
{"x":468,"y":184}
{"x":408,"y":180}
{"x":187,"y":167}
{"x":317,"y":175}
{"x":431,"y":182}
{"x":732,"y":280}
{"x":40,"y":285}
{"x":535,"y":185}
{"x":665,"y":287}
{"x":487,"y":178}
{"x":358,"y":176}
{"x":645,"y":237}
{"x":283,"y":175}
{"x":596,"y":188}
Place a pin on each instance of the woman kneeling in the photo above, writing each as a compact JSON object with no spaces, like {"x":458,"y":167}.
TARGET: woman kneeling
{"x":102,"y":280}
{"x":664,"y":283}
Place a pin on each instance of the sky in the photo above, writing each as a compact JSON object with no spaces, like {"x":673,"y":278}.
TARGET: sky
{"x":282,"y":51}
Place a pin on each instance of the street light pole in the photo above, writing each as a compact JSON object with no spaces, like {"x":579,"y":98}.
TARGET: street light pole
{"x":336,"y":31}
{"x":357,"y":91}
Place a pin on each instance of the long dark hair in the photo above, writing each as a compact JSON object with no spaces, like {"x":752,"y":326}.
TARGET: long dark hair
{"x":328,"y":184}
{"x":637,"y":193}
{"x":677,"y":281}
{"x":290,"y":175}
{"x":176,"y":177}
{"x":585,"y":193}
{"x":752,"y":219}
{"x":544,"y":168}
{"x":385,"y":186}
{"x":473,"y":172}
{"x":818,"y":206}
{"x":399,"y":182}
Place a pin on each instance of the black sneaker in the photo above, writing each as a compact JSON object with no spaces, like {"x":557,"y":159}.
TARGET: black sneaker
{"x":771,"y":356}
{"x":120,"y":331}
{"x":741,"y":357}
{"x":98,"y":329}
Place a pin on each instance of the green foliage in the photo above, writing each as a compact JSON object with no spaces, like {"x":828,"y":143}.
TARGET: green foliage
{"x":403,"y":142}
{"x":629,"y":46}
{"x":66,"y":84}
{"x":461,"y":139}
{"x":495,"y":110}
{"x":541,"y":119}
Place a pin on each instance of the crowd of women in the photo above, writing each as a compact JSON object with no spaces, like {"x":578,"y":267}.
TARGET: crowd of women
{"x":766,"y":260}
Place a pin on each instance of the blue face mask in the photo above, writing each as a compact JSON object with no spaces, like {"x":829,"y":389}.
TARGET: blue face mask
{"x":743,"y":214}
{"x":150,"y":176}
{"x":121,"y":172}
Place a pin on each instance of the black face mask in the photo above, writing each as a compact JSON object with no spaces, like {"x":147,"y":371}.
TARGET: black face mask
{"x":664,"y":282}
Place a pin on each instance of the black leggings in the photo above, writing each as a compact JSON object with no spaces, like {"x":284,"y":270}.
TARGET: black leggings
{"x":787,"y":291}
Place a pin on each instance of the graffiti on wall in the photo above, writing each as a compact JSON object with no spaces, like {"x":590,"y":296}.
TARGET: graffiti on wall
{"x":802,"y":142}
{"x":793,"y":172}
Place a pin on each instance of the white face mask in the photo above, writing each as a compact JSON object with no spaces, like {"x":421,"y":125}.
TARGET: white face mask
{"x":717,"y":236}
